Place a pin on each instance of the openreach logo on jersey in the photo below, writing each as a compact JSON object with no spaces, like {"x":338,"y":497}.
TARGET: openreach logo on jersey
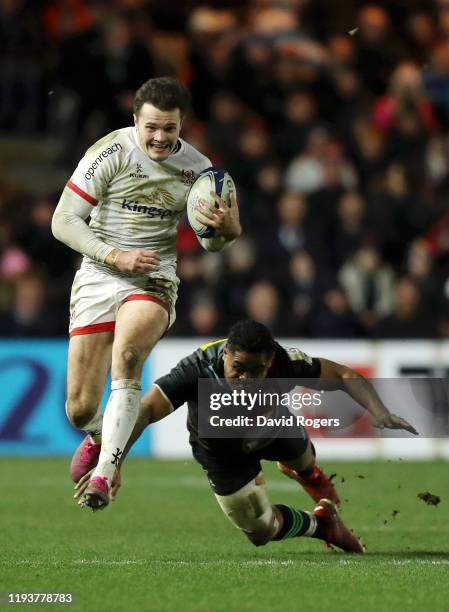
{"x":100,"y":158}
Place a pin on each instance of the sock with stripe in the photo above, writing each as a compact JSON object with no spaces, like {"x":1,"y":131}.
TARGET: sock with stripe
{"x":118,"y":422}
{"x":297,"y":523}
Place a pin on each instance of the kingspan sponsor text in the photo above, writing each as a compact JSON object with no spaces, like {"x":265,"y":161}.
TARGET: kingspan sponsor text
{"x":151,"y":211}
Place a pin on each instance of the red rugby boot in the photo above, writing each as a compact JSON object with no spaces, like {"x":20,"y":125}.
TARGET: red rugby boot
{"x":96,"y":496}
{"x":84,"y":459}
{"x":317,"y":484}
{"x":335,"y":531}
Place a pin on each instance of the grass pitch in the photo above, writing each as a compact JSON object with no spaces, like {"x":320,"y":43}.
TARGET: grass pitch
{"x":165,"y":545}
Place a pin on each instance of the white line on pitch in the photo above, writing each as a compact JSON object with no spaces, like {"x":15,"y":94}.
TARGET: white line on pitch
{"x":231,"y":563}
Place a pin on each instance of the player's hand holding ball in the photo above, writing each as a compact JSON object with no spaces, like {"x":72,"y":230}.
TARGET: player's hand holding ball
{"x":223,"y":218}
{"x":212,"y":205}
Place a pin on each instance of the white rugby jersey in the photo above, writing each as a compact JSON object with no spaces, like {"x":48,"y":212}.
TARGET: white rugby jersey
{"x":136,"y":202}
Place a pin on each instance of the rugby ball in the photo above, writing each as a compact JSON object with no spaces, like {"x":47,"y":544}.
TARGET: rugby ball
{"x":199,"y":198}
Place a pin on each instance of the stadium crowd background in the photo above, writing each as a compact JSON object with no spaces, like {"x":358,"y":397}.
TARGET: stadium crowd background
{"x":332,"y":117}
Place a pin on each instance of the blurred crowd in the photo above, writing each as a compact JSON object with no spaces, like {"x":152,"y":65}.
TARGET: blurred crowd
{"x":333,"y":121}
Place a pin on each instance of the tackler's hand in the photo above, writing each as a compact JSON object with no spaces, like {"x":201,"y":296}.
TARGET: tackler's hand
{"x":392,"y":421}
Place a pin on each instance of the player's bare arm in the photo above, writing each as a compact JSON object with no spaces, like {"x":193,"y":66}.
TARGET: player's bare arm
{"x":224,"y":218}
{"x":336,"y":376}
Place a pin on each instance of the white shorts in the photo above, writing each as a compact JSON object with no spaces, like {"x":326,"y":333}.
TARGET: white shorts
{"x":97,"y":296}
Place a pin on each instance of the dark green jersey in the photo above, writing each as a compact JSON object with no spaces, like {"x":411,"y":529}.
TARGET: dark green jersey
{"x":181,"y":384}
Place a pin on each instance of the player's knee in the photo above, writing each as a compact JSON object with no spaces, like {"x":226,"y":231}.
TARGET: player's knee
{"x":259,"y":538}
{"x":251,"y":512}
{"x":129,"y":358}
{"x":80,"y":410}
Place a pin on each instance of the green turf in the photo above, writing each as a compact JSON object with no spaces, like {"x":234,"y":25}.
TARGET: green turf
{"x":165,"y":545}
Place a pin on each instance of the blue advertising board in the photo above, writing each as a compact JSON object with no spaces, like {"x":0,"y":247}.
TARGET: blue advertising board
{"x":33,"y":394}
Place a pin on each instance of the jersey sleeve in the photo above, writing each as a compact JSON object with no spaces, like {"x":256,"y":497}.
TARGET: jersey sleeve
{"x":302,"y":365}
{"x":180,"y":384}
{"x":97,"y":168}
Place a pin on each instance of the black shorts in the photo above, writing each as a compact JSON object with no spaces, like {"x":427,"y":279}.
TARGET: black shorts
{"x":228,"y":474}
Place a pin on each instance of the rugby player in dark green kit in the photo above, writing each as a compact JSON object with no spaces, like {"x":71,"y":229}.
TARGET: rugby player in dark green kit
{"x":232,"y":465}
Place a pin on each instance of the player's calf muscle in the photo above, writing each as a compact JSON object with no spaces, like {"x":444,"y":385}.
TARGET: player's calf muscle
{"x":83,"y":395}
{"x":80,"y":410}
{"x":88,"y":363}
{"x":258,"y":530}
{"x":259,"y":539}
{"x":263,"y":534}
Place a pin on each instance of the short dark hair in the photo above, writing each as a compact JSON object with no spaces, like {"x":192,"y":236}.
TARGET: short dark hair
{"x":165,"y":93}
{"x":251,"y":337}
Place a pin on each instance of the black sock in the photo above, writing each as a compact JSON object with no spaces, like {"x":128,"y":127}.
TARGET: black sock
{"x":320,"y":531}
{"x":295,"y":524}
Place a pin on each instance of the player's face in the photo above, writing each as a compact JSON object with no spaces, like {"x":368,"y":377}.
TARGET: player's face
{"x":158,"y":130}
{"x":242,"y":365}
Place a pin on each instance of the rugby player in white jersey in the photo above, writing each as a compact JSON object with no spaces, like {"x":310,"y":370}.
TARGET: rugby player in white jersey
{"x":133,"y":184}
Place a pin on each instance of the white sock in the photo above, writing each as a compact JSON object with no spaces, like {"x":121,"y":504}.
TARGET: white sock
{"x":94,"y":426}
{"x":118,"y":422}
